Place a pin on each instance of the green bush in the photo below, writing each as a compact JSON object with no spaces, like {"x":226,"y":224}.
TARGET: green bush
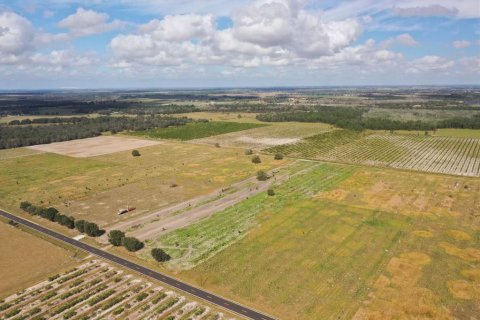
{"x":132,"y":244}
{"x":135,"y":153}
{"x":248,"y":152}
{"x":262,"y":175}
{"x":160,"y":255}
{"x":115,"y":237}
{"x":278,"y":156}
{"x":256,"y":159}
{"x":270,"y":192}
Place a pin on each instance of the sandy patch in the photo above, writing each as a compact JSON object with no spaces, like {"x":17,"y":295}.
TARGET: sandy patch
{"x":472,"y":274}
{"x":459,"y":235}
{"x":462,"y":289}
{"x":468,"y":254}
{"x":267,"y":141}
{"x":423,"y":233}
{"x":407,"y":268}
{"x":96,"y":146}
{"x":398,"y":297}
{"x":337,"y":194}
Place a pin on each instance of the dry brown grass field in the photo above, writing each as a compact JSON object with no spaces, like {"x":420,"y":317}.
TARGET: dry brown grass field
{"x":96,"y":188}
{"x":26,"y":259}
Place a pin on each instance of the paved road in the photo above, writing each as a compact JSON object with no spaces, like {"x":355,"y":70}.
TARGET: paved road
{"x":212,"y":298}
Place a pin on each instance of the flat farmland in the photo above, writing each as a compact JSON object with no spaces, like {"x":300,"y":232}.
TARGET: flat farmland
{"x":91,"y":147}
{"x":25,"y":259}
{"x":272,"y":135}
{"x":344,"y":241}
{"x":223,"y":116}
{"x":196,"y":130}
{"x":447,"y":155}
{"x":96,"y":188}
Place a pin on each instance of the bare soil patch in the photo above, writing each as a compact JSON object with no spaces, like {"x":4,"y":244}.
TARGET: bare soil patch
{"x":96,"y":146}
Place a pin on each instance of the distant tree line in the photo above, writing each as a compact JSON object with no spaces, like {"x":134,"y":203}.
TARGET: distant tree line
{"x":352,"y":119}
{"x":12,"y":136}
{"x":89,"y":228}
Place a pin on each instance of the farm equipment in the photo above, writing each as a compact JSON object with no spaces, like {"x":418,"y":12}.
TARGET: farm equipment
{"x":125,"y":210}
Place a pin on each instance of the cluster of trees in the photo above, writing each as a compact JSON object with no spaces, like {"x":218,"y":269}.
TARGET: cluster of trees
{"x":50,"y":213}
{"x":89,"y":228}
{"x":20,"y":136}
{"x":117,"y":238}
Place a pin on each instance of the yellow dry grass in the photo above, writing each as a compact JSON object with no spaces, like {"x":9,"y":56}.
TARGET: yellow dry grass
{"x":26,"y":259}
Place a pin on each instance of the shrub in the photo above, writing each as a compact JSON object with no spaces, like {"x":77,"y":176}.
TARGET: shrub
{"x":248,"y":152}
{"x":278,"y":156}
{"x":256,"y":159}
{"x":132,"y":244}
{"x":135,"y":153}
{"x":262,"y":175}
{"x":270,"y":192}
{"x":141,"y":296}
{"x":115,"y":237}
{"x":160,"y":255}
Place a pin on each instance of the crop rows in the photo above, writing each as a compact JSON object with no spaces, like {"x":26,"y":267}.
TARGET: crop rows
{"x":96,"y":290}
{"x":447,"y":155}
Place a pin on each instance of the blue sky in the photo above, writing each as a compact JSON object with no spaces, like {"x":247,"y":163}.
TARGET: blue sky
{"x":215,"y":43}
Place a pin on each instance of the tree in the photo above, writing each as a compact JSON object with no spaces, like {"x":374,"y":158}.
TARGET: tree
{"x":80,"y":225}
{"x":132,"y":244}
{"x":115,"y":237}
{"x":50,"y":214}
{"x":278,"y":156}
{"x":135,"y":153}
{"x":92,"y":229}
{"x":262,"y":175}
{"x":160,"y":255}
{"x":256,"y":159}
{"x":248,"y":152}
{"x":271,"y":192}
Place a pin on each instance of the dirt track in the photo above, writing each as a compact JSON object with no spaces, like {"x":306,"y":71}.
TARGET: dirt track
{"x":188,"y":212}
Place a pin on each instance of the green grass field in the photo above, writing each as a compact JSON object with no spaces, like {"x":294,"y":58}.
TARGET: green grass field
{"x":210,"y":236}
{"x":342,"y":242}
{"x":196,"y":130}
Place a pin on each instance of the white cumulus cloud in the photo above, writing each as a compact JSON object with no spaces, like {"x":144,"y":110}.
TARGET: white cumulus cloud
{"x":86,"y":22}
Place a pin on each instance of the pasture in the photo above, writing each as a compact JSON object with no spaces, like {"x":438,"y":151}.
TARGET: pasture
{"x":96,"y":188}
{"x":447,"y":155}
{"x":196,"y":130}
{"x":90,"y":147}
{"x":340,"y":241}
{"x":26,"y":259}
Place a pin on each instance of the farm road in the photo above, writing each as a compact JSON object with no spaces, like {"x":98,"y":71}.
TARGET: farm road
{"x":188,"y":212}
